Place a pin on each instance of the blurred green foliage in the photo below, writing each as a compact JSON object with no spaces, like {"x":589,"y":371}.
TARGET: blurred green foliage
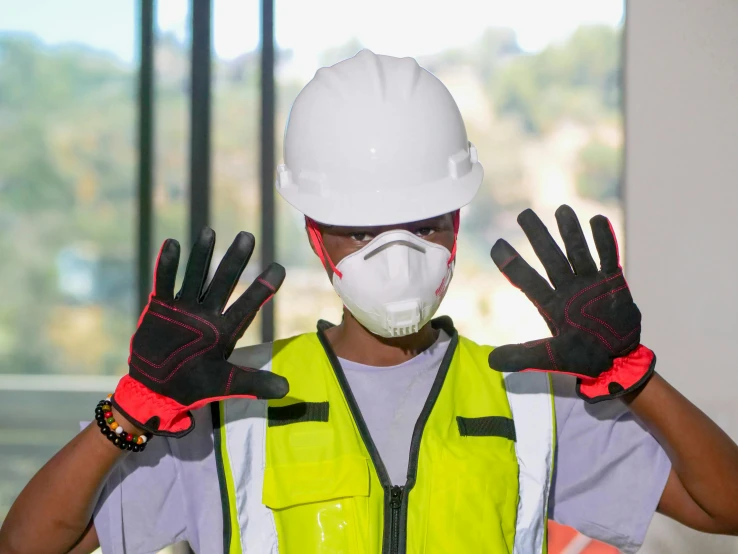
{"x":599,"y":174}
{"x":579,"y":79}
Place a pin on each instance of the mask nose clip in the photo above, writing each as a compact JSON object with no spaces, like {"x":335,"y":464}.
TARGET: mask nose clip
{"x":403,"y":318}
{"x":401,"y":242}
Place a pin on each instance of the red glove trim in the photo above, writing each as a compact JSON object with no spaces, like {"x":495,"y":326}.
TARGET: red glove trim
{"x":151,"y":411}
{"x":156,"y":413}
{"x":627,"y":374}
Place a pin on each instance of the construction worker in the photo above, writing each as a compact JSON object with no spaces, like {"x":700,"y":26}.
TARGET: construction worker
{"x":388,"y":432}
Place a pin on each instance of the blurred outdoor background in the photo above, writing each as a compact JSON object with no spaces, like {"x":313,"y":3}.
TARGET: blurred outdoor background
{"x":539,"y":85}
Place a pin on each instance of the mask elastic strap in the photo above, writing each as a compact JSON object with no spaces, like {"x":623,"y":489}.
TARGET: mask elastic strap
{"x":316,"y":239}
{"x":456,"y":217}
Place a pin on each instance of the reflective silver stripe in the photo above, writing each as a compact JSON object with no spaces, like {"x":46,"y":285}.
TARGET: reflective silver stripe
{"x":245,"y":424}
{"x":531,"y":401}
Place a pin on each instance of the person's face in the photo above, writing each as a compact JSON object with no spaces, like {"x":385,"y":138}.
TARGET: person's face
{"x":341,"y":241}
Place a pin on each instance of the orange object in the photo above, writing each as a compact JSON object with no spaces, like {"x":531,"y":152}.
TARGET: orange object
{"x":562,"y":539}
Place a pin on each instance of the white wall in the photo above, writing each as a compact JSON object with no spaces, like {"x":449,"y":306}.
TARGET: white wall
{"x":681,"y":186}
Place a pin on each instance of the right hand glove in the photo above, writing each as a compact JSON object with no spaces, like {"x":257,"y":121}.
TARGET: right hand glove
{"x":179,"y":353}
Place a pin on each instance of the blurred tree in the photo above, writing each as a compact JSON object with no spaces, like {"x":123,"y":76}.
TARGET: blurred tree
{"x":599,"y":172}
{"x":486,"y":54}
{"x":66,"y":177}
{"x":579,"y":78}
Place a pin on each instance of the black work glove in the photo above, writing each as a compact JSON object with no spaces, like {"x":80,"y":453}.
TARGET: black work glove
{"x":595,"y":324}
{"x":179,"y":352}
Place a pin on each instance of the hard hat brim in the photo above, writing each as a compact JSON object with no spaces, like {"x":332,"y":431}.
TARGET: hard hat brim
{"x":374,"y":208}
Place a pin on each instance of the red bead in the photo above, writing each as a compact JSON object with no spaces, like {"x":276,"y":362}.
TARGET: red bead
{"x":129,"y":437}
{"x":108,"y":414}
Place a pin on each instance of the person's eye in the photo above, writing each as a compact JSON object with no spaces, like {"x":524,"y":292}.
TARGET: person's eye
{"x":425,"y":231}
{"x":362,"y":237}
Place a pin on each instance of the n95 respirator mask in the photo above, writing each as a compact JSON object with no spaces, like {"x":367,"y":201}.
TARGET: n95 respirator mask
{"x":394,"y":285}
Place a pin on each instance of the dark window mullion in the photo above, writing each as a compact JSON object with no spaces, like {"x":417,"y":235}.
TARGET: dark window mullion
{"x":267,"y":159}
{"x":145,"y":146}
{"x":200,"y":13}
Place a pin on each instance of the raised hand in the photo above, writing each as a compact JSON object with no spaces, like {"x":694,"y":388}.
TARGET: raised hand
{"x":595,"y":324}
{"x":179,"y":353}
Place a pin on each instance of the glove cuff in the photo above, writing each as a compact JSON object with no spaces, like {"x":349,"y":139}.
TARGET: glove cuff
{"x":627,"y":374}
{"x":157,"y":414}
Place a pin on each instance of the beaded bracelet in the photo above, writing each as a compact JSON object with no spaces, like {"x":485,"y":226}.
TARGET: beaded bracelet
{"x":114,"y":432}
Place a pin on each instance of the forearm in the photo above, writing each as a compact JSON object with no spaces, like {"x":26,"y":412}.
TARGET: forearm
{"x":703,"y":456}
{"x":53,"y":511}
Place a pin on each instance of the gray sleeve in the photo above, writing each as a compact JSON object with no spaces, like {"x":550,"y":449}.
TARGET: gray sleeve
{"x":169,"y":492}
{"x":140,"y":508}
{"x":610,"y":471}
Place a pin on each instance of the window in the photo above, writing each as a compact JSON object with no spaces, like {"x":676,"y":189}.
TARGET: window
{"x":235,"y":193}
{"x":170,"y":202}
{"x":538,"y":84}
{"x":67,"y":212}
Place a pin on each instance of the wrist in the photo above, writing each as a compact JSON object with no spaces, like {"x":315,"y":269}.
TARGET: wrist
{"x":633,"y":399}
{"x":105,"y":448}
{"x":156,"y":413}
{"x":126,"y":423}
{"x":114,"y":431}
{"x":627,"y":375}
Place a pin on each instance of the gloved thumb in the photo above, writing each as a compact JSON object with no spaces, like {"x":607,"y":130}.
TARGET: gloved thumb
{"x":517,"y":357}
{"x":245,"y":381}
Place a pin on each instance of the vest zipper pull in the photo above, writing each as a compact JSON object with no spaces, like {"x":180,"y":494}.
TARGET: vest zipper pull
{"x":396,"y":497}
{"x":396,"y":504}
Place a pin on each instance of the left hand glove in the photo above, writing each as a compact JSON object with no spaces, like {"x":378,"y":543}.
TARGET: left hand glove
{"x":595,"y":324}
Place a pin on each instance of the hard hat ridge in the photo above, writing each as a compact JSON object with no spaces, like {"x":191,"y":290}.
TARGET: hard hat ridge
{"x":386,"y":77}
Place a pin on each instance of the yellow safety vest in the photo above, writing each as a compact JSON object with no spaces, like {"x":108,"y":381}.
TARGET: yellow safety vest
{"x":302,"y":475}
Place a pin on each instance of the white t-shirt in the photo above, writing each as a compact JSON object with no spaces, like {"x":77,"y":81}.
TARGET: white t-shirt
{"x":390,"y":400}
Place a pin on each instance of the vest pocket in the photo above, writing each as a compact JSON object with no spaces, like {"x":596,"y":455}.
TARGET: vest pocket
{"x":316,"y":505}
{"x":473,"y":500}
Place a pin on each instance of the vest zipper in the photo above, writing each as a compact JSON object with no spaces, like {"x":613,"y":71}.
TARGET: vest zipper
{"x":395,"y":512}
{"x":396,"y":496}
{"x":412,"y":466}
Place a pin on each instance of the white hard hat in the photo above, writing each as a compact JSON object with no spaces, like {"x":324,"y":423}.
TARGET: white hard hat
{"x":376,"y":140}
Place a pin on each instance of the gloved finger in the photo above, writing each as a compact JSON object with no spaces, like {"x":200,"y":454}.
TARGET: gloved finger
{"x":245,"y":381}
{"x":555,"y":263}
{"x":519,"y":273}
{"x":576,"y":245}
{"x":197,"y":265}
{"x":517,"y":357}
{"x":228,"y":272}
{"x":165,"y":272}
{"x":243,"y":310}
{"x":606,"y":243}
